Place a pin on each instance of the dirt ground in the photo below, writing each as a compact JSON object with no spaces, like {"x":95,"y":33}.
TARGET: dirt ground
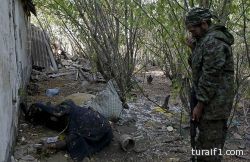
{"x":158,"y":134}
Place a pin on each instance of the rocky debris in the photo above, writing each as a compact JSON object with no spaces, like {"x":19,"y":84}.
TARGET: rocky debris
{"x":155,"y":133}
{"x":170,"y":128}
{"x":23,"y":141}
{"x":155,"y":130}
{"x":79,"y":69}
{"x":23,"y":125}
{"x":237,"y":136}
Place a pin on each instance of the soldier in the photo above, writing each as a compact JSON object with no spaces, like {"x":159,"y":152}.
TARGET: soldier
{"x":212,"y":67}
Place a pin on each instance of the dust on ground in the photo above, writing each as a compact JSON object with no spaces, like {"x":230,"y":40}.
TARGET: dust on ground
{"x":159,"y":134}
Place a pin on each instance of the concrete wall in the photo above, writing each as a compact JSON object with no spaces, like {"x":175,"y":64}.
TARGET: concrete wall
{"x":15,"y":67}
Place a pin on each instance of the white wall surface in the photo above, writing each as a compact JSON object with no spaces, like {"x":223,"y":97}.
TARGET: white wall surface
{"x":15,"y":66}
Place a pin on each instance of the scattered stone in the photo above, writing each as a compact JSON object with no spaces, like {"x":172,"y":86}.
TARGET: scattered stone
{"x":142,"y":145}
{"x":237,"y":136}
{"x":170,"y":128}
{"x":242,"y":146}
{"x":23,"y":141}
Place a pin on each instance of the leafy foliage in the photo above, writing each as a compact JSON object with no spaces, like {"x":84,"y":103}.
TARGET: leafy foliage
{"x":117,"y":35}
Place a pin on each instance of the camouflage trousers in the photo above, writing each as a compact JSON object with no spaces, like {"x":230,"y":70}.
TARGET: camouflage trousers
{"x":212,"y":135}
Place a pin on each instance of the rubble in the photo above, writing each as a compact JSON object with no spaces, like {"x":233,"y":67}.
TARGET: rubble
{"x":170,"y":129}
{"x":156,"y":131}
{"x":237,"y":136}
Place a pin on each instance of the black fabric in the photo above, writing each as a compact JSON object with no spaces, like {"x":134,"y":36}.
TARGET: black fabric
{"x":88,"y":131}
{"x":47,"y":115}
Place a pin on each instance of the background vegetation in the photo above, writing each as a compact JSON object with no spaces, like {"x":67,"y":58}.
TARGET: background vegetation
{"x":118,"y":36}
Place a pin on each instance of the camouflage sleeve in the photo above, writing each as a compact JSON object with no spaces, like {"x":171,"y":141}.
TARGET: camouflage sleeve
{"x":214,"y":58}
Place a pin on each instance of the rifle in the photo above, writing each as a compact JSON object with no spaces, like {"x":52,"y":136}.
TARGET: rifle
{"x":193,"y":124}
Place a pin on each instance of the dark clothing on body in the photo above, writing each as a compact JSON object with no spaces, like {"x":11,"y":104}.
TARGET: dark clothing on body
{"x":87,"y":132}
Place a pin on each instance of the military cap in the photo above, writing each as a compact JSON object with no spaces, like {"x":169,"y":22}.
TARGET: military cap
{"x":196,"y":15}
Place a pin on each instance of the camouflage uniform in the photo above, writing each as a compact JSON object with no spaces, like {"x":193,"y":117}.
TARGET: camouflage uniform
{"x":213,"y":80}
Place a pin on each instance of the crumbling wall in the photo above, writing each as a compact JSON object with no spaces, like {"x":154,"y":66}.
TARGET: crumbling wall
{"x":15,"y":67}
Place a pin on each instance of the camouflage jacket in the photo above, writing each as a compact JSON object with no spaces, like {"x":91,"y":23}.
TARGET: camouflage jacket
{"x":213,"y":72}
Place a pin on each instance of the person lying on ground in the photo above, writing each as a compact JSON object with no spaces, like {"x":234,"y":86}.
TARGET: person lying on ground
{"x":87,"y":130}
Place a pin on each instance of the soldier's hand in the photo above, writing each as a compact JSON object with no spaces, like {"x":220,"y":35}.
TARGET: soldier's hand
{"x":190,"y":42}
{"x":197,"y":112}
